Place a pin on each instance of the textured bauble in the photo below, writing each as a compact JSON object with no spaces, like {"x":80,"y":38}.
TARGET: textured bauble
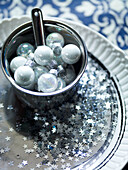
{"x":54,"y":38}
{"x":17,"y":62}
{"x":70,"y":54}
{"x":47,"y":83}
{"x":24,"y":76}
{"x":43,"y":54}
{"x":69,"y":75}
{"x":24,"y":49}
{"x":61,"y":83}
{"x":40,"y":70}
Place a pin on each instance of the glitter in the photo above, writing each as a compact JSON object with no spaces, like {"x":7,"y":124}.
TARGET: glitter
{"x":2,"y":151}
{"x":11,"y":163}
{"x":25,"y":146}
{"x":24,"y":162}
{"x":65,"y":136}
{"x":8,"y":138}
{"x":24,"y":138}
{"x":11,"y":129}
{"x":53,"y":129}
{"x":7,"y":149}
{"x":20,"y":166}
{"x":38,"y":165}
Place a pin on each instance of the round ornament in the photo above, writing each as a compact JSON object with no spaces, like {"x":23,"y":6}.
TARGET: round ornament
{"x":24,"y":76}
{"x":17,"y":62}
{"x":43,"y":54}
{"x":70,"y":54}
{"x":54,"y":38}
{"x":47,"y":83}
{"x":24,"y":49}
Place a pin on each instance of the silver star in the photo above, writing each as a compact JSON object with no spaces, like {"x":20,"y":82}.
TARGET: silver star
{"x":76,"y":159}
{"x":20,"y":166}
{"x":8,"y":138}
{"x":2,"y":151}
{"x":24,"y":162}
{"x":37,"y":155}
{"x":11,"y":129}
{"x":11,"y":163}
{"x":60,"y":155}
{"x":70,"y":158}
{"x":55,"y":166}
{"x":7,"y":149}
{"x":63,"y":166}
{"x":48,"y":164}
{"x":94,"y":143}
{"x":62,"y":160}
{"x":67,"y":153}
{"x":35,"y":146}
{"x":108,"y":104}
{"x":82,"y":132}
{"x":68,"y":164}
{"x":24,"y":138}
{"x":36,"y":118}
{"x":46,"y":157}
{"x":38,"y":165}
{"x":25,"y":146}
{"x":77,"y":107}
{"x":89,"y":121}
{"x":3,"y":92}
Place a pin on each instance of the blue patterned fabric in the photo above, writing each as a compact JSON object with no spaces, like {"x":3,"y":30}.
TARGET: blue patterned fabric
{"x":108,"y":17}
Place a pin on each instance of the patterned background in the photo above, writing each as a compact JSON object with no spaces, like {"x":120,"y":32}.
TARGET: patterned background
{"x":108,"y":17}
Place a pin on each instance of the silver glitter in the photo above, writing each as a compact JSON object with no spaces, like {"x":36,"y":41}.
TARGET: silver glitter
{"x":65,"y":136}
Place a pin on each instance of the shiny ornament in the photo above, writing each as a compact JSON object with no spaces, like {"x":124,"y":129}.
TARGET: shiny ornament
{"x":24,"y":49}
{"x":61,"y":83}
{"x":47,"y":83}
{"x":43,"y":54}
{"x":17,"y":62}
{"x":54,"y":38}
{"x":70,"y":54}
{"x":24,"y":76}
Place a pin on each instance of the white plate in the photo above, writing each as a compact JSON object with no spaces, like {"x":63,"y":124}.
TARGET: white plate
{"x":111,"y":56}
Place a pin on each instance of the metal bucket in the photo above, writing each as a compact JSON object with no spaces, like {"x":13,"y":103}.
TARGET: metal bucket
{"x":24,"y":33}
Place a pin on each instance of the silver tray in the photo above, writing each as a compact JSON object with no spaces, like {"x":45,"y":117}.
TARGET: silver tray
{"x":90,"y":131}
